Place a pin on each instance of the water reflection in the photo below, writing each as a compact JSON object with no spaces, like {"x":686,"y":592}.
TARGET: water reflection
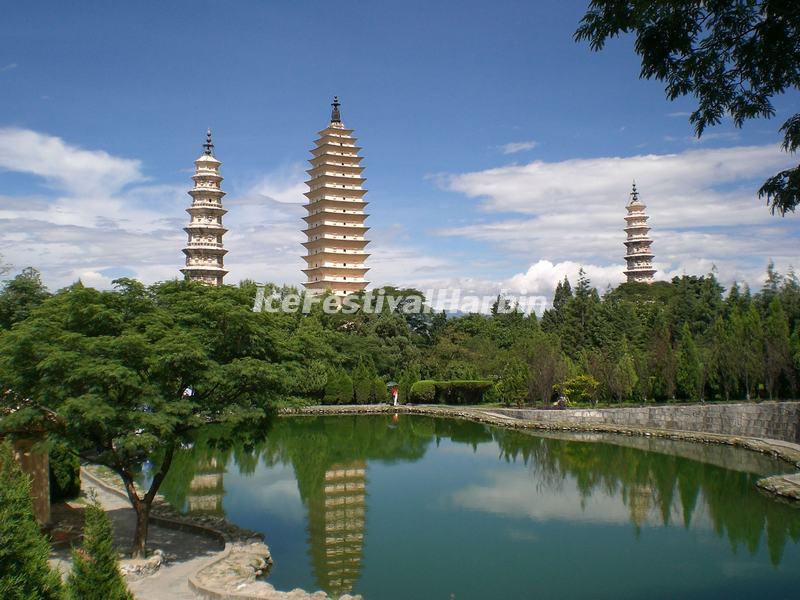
{"x":526,"y":480}
{"x":336,"y":519}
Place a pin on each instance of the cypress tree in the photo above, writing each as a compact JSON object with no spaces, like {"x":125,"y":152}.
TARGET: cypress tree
{"x":690,"y":366}
{"x":95,"y":570}
{"x":362,"y":383}
{"x":777,"y":352}
{"x":24,"y":571}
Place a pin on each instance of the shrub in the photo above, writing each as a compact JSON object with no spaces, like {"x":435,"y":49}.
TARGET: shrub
{"x":459,"y":391}
{"x":65,"y":473}
{"x":423,"y":392}
{"x":492,"y":394}
{"x":95,"y":570}
{"x":462,"y":391}
{"x":582,"y":388}
{"x":24,"y":571}
{"x":513,"y":385}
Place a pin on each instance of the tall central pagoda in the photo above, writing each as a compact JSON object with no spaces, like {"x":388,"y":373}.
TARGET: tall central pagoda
{"x":639,"y":255}
{"x":204,"y":251}
{"x":335,"y":221}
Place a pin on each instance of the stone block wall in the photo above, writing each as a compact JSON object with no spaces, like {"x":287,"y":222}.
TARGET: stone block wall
{"x":773,"y":420}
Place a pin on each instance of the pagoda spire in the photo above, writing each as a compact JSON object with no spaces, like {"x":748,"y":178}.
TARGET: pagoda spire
{"x":336,"y":229}
{"x":639,"y":256}
{"x":335,"y":116}
{"x":208,"y":147}
{"x":204,"y":249}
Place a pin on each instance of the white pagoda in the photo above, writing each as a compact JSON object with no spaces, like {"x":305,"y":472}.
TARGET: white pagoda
{"x":639,"y":256}
{"x":335,"y":221}
{"x":204,"y":250}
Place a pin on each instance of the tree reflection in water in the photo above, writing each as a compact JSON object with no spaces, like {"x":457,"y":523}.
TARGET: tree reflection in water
{"x":330,"y":458}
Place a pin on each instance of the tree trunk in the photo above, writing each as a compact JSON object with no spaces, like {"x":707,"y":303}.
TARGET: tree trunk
{"x":143,"y":505}
{"x":140,"y":535}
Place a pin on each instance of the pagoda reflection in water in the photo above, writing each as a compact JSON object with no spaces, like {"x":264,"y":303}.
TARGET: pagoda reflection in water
{"x":206,"y":488}
{"x":336,"y":519}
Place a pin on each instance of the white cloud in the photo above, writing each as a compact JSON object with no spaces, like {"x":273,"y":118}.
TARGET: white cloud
{"x":8,"y":67}
{"x":284,"y":185}
{"x":97,"y":217}
{"x":64,"y":166}
{"x":514,"y":147}
{"x":543,"y":276}
{"x":701,"y":203}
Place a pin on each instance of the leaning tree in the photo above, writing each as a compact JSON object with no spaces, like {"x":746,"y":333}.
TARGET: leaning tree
{"x":128,"y":375}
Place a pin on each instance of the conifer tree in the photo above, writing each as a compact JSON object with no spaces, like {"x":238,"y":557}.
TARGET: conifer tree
{"x":690,"y":366}
{"x":95,"y":570}
{"x":777,"y":353}
{"x":722,"y":370}
{"x":749,"y":335}
{"x":362,"y":383}
{"x":24,"y":571}
{"x":409,"y":377}
{"x":378,"y":393}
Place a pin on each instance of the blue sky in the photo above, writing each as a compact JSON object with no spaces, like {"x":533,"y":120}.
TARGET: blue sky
{"x":499,"y":152}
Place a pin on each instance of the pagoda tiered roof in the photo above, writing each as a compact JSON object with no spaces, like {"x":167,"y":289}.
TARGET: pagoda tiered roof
{"x":204,"y":248}
{"x":335,"y":233}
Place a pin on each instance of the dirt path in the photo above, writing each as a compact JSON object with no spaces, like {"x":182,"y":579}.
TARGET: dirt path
{"x":185,"y":553}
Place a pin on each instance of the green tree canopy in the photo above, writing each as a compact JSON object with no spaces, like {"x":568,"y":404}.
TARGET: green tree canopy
{"x":126,"y":375}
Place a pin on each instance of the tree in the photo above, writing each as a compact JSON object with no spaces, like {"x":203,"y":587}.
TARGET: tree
{"x":379,"y":393}
{"x":362,"y":383}
{"x":20,"y":295}
{"x":65,"y":473}
{"x":624,"y":377}
{"x":732,"y":55}
{"x":662,"y":360}
{"x":748,"y":332}
{"x":128,"y":375}
{"x":722,"y":368}
{"x":581,"y":388}
{"x":777,"y":348}
{"x":409,"y":377}
{"x":24,"y":571}
{"x":546,"y":366}
{"x":339,"y":389}
{"x":95,"y":570}
{"x":690,"y":366}
{"x":513,"y":385}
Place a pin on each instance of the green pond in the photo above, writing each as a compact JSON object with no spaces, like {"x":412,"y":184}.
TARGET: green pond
{"x":409,"y":507}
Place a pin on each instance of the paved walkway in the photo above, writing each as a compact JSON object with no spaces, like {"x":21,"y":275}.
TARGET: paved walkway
{"x":185,"y":552}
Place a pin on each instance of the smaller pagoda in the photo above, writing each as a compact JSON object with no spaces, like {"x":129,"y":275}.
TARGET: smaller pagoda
{"x":204,"y":250}
{"x":639,"y":255}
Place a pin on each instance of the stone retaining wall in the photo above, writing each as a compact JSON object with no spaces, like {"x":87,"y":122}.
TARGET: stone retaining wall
{"x":772,"y":420}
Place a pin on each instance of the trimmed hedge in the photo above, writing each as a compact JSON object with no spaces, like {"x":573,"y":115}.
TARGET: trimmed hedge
{"x":65,"y":474}
{"x":458,"y":391}
{"x":423,"y":392}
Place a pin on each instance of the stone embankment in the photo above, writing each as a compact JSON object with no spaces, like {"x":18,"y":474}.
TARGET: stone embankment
{"x":772,"y":428}
{"x":234,"y":575}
